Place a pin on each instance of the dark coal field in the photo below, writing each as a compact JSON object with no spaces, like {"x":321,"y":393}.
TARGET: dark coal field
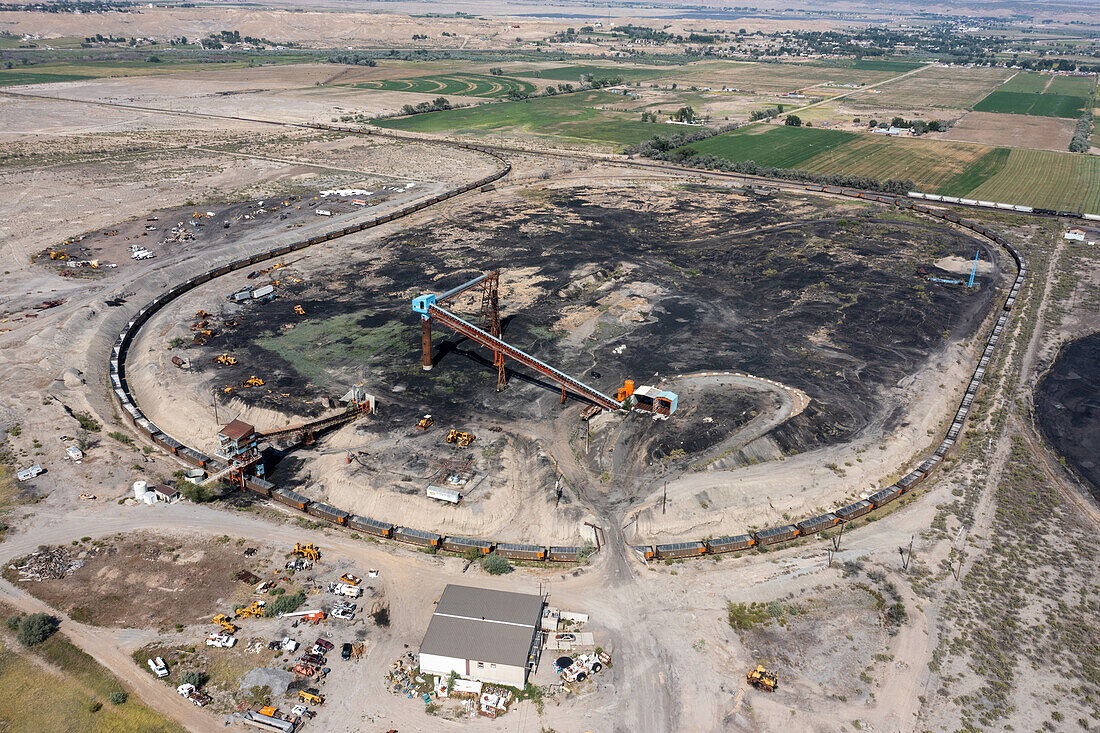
{"x":1067,"y":402}
{"x":830,"y":297}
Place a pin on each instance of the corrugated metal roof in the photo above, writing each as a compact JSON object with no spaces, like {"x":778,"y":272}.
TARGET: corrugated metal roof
{"x":484,"y":625}
{"x":481,"y":641}
{"x":490,"y":605}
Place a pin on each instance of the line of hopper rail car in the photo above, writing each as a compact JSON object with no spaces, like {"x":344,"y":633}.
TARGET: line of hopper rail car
{"x":525,"y":551}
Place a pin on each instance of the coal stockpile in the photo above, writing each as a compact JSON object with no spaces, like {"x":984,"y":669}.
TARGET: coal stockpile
{"x":632,"y":284}
{"x":1067,"y":402}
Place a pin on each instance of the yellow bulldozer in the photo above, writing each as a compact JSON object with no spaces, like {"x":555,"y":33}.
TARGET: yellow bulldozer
{"x":425,"y":423}
{"x":308,"y":551}
{"x":254,"y":381}
{"x":226,"y":624}
{"x":299,"y":310}
{"x":763,"y":679}
{"x":225,"y":359}
{"x":256,"y":610}
{"x":460,"y":439}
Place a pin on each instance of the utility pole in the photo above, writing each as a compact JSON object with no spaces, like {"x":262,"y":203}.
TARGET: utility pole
{"x":906,"y":558}
{"x":836,"y":540}
{"x":664,"y":498}
{"x":214,"y":399}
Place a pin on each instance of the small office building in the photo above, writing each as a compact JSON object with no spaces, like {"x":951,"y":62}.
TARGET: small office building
{"x":486,"y":635}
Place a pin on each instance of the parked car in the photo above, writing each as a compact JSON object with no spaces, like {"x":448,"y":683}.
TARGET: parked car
{"x":324,"y":644}
{"x":345,"y":650}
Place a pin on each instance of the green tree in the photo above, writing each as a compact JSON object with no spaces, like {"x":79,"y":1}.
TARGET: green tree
{"x":36,"y":628}
{"x":793,"y":121}
{"x":195,"y":677}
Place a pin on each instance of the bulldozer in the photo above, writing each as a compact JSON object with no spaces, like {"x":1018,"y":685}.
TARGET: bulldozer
{"x":225,"y":359}
{"x":425,"y":423}
{"x":201,"y":314}
{"x":763,"y":679}
{"x":311,"y":696}
{"x":299,"y":310}
{"x":254,"y":611}
{"x":226,"y":624}
{"x":459,"y":438}
{"x":308,"y":551}
{"x":254,"y":381}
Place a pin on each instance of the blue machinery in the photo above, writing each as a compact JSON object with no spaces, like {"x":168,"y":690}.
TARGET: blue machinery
{"x":427,"y":306}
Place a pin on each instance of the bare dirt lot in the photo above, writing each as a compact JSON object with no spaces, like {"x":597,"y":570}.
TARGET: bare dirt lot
{"x":151,"y":581}
{"x":1020,"y":131}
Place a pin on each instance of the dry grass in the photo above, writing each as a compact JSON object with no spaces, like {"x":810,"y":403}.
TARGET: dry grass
{"x":937,"y":87}
{"x":36,"y":698}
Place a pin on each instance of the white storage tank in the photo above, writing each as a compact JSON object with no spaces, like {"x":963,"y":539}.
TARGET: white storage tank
{"x":140,"y":487}
{"x":150,"y":497}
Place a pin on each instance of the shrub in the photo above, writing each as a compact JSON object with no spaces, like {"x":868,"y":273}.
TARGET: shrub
{"x":117,"y":698}
{"x":495,"y":565}
{"x":87,"y":422}
{"x":36,"y":628}
{"x":195,"y":677}
{"x":284,"y":604}
{"x":95,"y":706}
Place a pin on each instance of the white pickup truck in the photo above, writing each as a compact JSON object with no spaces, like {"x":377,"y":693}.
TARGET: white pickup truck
{"x":345,"y":589}
{"x":222,"y":641}
{"x":160,"y":669}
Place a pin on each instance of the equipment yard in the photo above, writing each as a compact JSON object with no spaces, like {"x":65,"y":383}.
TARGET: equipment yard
{"x":679,"y":370}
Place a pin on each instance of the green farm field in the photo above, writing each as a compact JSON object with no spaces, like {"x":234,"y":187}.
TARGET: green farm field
{"x":573,"y":74}
{"x":1063,"y":181}
{"x":469,"y":85}
{"x":75,"y":71}
{"x":569,"y":117}
{"x":1060,"y":181}
{"x":1029,"y":93}
{"x":1043,"y":105}
{"x":929,"y":163}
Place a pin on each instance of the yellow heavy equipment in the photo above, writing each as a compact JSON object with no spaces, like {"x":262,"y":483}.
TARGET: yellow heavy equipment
{"x":254,"y":381}
{"x":763,"y":679}
{"x":229,"y":389}
{"x":311,"y":696}
{"x":459,"y":438}
{"x":425,"y":423}
{"x":226,"y":624}
{"x":225,"y":359}
{"x":308,"y":551}
{"x":256,"y":610}
{"x":299,"y":310}
{"x":202,"y":314}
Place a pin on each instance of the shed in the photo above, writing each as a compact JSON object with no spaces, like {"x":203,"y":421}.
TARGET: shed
{"x":166,"y":493}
